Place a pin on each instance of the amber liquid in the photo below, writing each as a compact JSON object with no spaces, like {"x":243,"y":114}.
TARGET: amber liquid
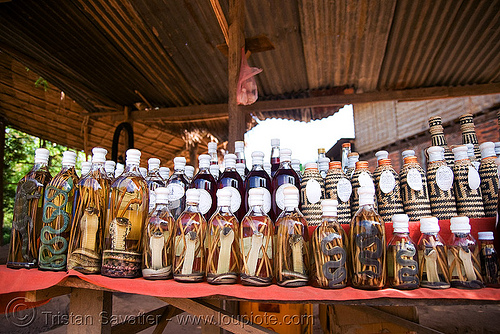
{"x":231,"y":178}
{"x":432,"y":262}
{"x":284,"y":175}
{"x":257,"y":178}
{"x":205,"y":180}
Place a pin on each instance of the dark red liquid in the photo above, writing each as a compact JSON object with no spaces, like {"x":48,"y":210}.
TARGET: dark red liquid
{"x":283,"y":175}
{"x":231,"y":178}
{"x":205,"y":180}
{"x":275,"y":164}
{"x":257,"y":178}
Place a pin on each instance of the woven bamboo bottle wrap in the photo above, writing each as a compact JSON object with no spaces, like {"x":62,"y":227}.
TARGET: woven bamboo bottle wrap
{"x":333,"y":177}
{"x":415,"y":202}
{"x":469,"y":133}
{"x":361,"y":169}
{"x":312,"y":191}
{"x":443,"y":204}
{"x":469,"y":201}
{"x":489,"y":185}
{"x":437,"y":138}
{"x":389,"y":201}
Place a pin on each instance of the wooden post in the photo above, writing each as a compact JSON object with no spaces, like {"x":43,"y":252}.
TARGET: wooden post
{"x":2,"y":160}
{"x":193,"y":154}
{"x":90,"y":311}
{"x":237,"y":125}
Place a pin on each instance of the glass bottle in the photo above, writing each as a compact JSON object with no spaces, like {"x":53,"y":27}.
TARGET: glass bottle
{"x":312,"y":191}
{"x":118,"y":170}
{"x":488,"y":174}
{"x":437,"y":138}
{"x":256,"y":242}
{"x":223,"y":258}
{"x":296,"y":167}
{"x":414,"y":192}
{"x":321,"y":154}
{"x":275,"y":155}
{"x":432,"y":258}
{"x":206,"y":184}
{"x":142,"y":171}
{"x":109,"y":167}
{"x":212,"y":152}
{"x":381,"y":155}
{"x":469,"y":133}
{"x":489,"y":259}
{"x":239,"y":151}
{"x":361,"y":178}
{"x":57,"y":210}
{"x":367,"y":244}
{"x":440,"y":184}
{"x":258,"y":178}
{"x":189,"y":172}
{"x":86,"y":165}
{"x":189,"y":248}
{"x":339,"y":188}
{"x":232,"y":180}
{"x":240,"y":168}
{"x":177,"y":185}
{"x":472,"y":156}
{"x":346,"y":149}
{"x":284,"y":176}
{"x":28,"y":212}
{"x":329,"y":249}
{"x":352,"y":158}
{"x":463,"y":256}
{"x":89,"y":216}
{"x":267,"y":168}
{"x":292,"y":242}
{"x":127,"y":213}
{"x":215,"y":171}
{"x":154,"y":180}
{"x":158,"y":239}
{"x":402,"y":258}
{"x":388,"y":190}
{"x":323,"y":164}
{"x":164,"y":173}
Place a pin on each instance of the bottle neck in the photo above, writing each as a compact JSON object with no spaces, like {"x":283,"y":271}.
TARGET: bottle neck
{"x":257,"y":210}
{"x":192,"y":207}
{"x":286,"y":164}
{"x":133,"y":169}
{"x":224,"y":209}
{"x":39,"y":166}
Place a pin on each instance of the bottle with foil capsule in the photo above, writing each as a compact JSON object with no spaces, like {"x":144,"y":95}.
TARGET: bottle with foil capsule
{"x":414,"y":192}
{"x":346,"y":149}
{"x":292,"y":261}
{"x":463,"y":256}
{"x":488,"y":174}
{"x":296,"y":167}
{"x":258,"y":178}
{"x":158,"y":239}
{"x":256,"y":242}
{"x":284,"y":176}
{"x":440,"y":184}
{"x":323,"y":164}
{"x":489,"y":259}
{"x":154,"y":180}
{"x":189,"y":173}
{"x":275,"y":155}
{"x":109,"y":167}
{"x":164,"y":173}
{"x":89,"y":217}
{"x":432,"y":257}
{"x":387,"y":189}
{"x":127,"y":214}
{"x":223,"y":259}
{"x":437,"y":138}
{"x":189,"y":238}
{"x":239,"y":151}
{"x":361,"y":178}
{"x":352,"y":158}
{"x":232,"y":180}
{"x":206,"y":184}
{"x":56,"y":216}
{"x":466,"y":184}
{"x":86,"y":165}
{"x":402,"y":260}
{"x":339,"y":188}
{"x":312,"y":191}
{"x":469,"y":133}
{"x":367,"y":244}
{"x":177,"y":185}
{"x":329,"y":250}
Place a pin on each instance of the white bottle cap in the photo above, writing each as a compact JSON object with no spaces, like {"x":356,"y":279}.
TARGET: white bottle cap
{"x":407,"y":153}
{"x":153,"y":163}
{"x":487,"y":149}
{"x":42,"y":156}
{"x":189,"y":171}
{"x":69,"y":159}
{"x":144,"y":171}
{"x":485,"y":235}
{"x":329,"y":207}
{"x":323,"y":163}
{"x":193,"y":196}
{"x":497,"y":148}
{"x":470,"y":150}
{"x":119,"y":169}
{"x":240,"y":168}
{"x":212,"y":147}
{"x":204,"y":161}
{"x":256,"y":197}
{"x":257,"y":158}
{"x":382,"y":155}
{"x":311,"y":165}
{"x":275,"y":142}
{"x":436,"y":153}
{"x":164,"y":172}
{"x":179,"y":163}
{"x":295,"y":164}
{"x":400,"y":223}
{"x":267,"y":167}
{"x":460,"y":152}
{"x":429,"y":225}
{"x":86,"y":167}
{"x":99,"y":155}
{"x":230,"y":160}
{"x":214,"y":170}
{"x":366,"y":195}
{"x":459,"y":224}
{"x":161,"y":195}
{"x":291,"y":197}
{"x":109,"y":166}
{"x":133,"y":157}
{"x":239,"y":146}
{"x":224,"y":197}
{"x":285,"y":154}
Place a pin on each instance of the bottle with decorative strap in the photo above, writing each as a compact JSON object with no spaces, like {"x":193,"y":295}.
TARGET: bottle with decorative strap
{"x":469,"y":133}
{"x":352,"y":158}
{"x":232,"y":180}
{"x":440,"y":184}
{"x":489,"y":179}
{"x":388,"y":190}
{"x":361,"y":178}
{"x":57,"y":211}
{"x":338,"y":187}
{"x":467,"y":185}
{"x":437,"y":138}
{"x":154,"y":180}
{"x":177,"y":185}
{"x":312,"y":191}
{"x":329,"y":250}
{"x":414,"y":191}
{"x":205,"y":182}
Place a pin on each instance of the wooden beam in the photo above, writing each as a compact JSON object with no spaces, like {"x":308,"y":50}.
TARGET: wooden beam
{"x":92,"y":311}
{"x":39,"y":295}
{"x":254,"y":44}
{"x":221,"y":18}
{"x":155,"y":317}
{"x":168,"y":314}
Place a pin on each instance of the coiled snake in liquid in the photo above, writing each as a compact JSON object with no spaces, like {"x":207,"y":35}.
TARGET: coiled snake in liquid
{"x":340,"y":273}
{"x":409,"y":265}
{"x":368,"y":257}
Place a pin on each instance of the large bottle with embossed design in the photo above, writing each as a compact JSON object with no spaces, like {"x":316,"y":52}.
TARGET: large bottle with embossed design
{"x":27,"y":220}
{"x":57,"y":210}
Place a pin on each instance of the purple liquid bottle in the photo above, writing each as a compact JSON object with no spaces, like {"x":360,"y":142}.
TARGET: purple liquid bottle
{"x":284,"y":175}
{"x":258,"y":178}
{"x":206,"y":184}
{"x":232,"y":180}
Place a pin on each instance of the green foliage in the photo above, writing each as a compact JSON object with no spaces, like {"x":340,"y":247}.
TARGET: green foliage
{"x":42,"y":82}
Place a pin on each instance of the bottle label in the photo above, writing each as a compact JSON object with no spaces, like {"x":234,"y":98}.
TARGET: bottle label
{"x":205,"y":201}
{"x":175,"y":191}
{"x":235,"y":199}
{"x":152,"y":200}
{"x":473,"y":178}
{"x":267,"y":200}
{"x":313,"y":191}
{"x":280,"y":196}
{"x":344,"y":189}
{"x":365,"y":180}
{"x":414,"y":179}
{"x":387,"y":182}
{"x":444,"y":178}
